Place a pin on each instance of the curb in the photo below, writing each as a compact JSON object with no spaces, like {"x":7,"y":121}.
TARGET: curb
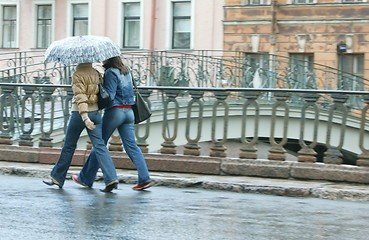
{"x":177,"y":163}
{"x":241,"y":184}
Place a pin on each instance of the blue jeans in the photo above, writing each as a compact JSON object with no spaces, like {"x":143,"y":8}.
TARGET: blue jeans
{"x":74,"y":130}
{"x":123,"y":120}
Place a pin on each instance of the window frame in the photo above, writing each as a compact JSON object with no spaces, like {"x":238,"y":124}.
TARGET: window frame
{"x":173,"y":18}
{"x":16,"y":26}
{"x":252,"y":3}
{"x":256,"y":63}
{"x":71,"y":16}
{"x":353,"y":1}
{"x":306,"y":2}
{"x":354,"y":65}
{"x":307,"y":67}
{"x":124,"y":18}
{"x":37,"y":5}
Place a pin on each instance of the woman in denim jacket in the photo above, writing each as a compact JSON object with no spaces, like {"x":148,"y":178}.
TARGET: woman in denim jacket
{"x":118,"y":115}
{"x":84,"y":115}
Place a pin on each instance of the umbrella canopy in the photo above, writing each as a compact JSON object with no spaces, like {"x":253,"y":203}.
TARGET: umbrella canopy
{"x":81,"y":49}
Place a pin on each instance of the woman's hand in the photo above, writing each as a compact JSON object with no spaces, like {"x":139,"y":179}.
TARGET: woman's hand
{"x":89,"y":124}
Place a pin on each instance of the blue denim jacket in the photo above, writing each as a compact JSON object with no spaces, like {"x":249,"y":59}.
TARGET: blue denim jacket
{"x":119,"y":86}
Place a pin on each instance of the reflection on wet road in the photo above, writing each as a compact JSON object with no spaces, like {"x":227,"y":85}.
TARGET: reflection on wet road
{"x":31,"y":210}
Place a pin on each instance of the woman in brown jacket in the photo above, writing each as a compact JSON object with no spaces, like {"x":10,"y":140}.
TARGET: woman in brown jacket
{"x":84,"y":114}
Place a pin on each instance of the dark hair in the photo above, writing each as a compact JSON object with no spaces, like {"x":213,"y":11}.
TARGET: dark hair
{"x":116,"y":62}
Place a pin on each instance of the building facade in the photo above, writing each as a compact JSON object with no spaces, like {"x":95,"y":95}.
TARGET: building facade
{"x":133,"y":24}
{"x":329,"y":32}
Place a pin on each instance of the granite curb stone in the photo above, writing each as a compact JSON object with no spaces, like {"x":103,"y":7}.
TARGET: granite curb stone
{"x":179,"y":163}
{"x":242,"y":184}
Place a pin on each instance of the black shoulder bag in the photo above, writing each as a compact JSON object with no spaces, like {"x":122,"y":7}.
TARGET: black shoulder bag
{"x":103,"y":95}
{"x":140,"y":109}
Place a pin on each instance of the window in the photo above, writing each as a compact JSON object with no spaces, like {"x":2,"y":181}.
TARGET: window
{"x":181,"y":37}
{"x":44,"y":27}
{"x":256,"y":70}
{"x":255,"y":2}
{"x":303,"y":1}
{"x":301,"y":71}
{"x":9,"y":26}
{"x":131,"y":25}
{"x":257,"y":60}
{"x":352,"y":67}
{"x":80,"y":20}
{"x":352,"y":1}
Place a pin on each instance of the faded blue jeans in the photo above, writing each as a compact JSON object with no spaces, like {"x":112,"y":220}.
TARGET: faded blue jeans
{"x":123,"y":120}
{"x":74,"y":130}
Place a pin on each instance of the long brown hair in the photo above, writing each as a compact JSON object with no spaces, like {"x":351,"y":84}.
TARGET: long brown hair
{"x":116,"y":62}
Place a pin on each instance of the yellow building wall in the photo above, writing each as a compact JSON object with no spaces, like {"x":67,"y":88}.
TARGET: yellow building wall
{"x":300,"y":28}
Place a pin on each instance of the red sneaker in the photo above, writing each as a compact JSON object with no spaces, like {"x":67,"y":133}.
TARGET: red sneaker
{"x":75,"y":179}
{"x":142,"y":186}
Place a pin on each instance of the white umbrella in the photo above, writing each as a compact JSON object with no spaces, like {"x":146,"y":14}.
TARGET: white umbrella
{"x":81,"y":49}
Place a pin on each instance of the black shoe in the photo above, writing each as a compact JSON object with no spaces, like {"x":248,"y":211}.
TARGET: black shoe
{"x":110,"y":187}
{"x":52,"y":182}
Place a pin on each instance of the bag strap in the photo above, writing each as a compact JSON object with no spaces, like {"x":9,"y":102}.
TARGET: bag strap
{"x":100,"y":77}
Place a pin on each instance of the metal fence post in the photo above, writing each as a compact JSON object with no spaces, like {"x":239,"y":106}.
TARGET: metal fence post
{"x":7,"y":115}
{"x":168,"y":145}
{"x":218,"y":149}
{"x":45,"y":139}
{"x":307,"y":152}
{"x":334,"y":155}
{"x":363,"y":157}
{"x":25,"y":138}
{"x":192,"y":147}
{"x":248,"y":150}
{"x":277,"y":152}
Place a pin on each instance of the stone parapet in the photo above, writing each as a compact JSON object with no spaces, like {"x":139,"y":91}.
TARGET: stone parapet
{"x":321,"y":171}
{"x":260,"y":168}
{"x":201,"y":165}
{"x":42,"y":155}
{"x":19,"y":154}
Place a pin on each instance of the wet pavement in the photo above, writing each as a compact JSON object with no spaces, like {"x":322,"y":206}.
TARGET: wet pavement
{"x":31,"y":210}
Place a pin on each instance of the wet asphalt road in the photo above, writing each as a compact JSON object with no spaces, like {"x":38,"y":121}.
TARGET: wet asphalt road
{"x":31,"y":210}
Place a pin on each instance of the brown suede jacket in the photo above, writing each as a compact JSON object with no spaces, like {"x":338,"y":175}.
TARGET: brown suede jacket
{"x":85,"y":88}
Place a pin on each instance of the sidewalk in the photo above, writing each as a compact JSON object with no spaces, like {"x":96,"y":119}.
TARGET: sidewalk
{"x":279,"y":187}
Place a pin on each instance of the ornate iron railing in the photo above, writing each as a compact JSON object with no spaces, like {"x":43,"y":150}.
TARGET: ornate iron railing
{"x":200,"y":68}
{"x":237,"y":69}
{"x":194,"y":69}
{"x":35,"y":99}
{"x":190,"y":117}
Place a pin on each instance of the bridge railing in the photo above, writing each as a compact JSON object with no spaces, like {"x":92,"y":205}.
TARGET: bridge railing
{"x":197,"y":68}
{"x":321,"y":128}
{"x":206,"y":68}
